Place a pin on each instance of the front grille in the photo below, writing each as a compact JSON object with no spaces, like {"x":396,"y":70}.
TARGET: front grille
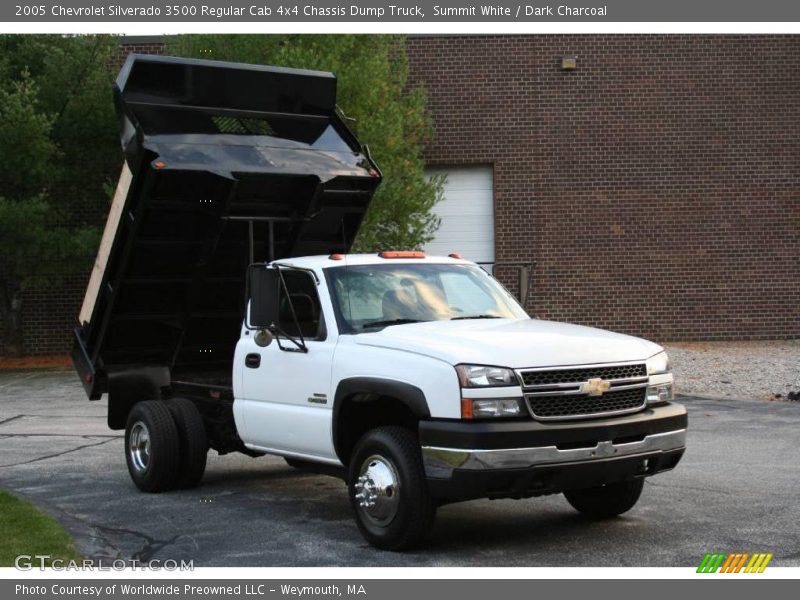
{"x":581,"y":374}
{"x":572,"y":406}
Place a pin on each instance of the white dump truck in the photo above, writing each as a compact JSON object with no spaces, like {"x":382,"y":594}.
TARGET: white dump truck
{"x":224,"y":312}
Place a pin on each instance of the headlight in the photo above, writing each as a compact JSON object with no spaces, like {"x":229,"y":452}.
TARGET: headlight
{"x":658,"y":364}
{"x":659,"y":394}
{"x":486,"y":408}
{"x":470,"y":376}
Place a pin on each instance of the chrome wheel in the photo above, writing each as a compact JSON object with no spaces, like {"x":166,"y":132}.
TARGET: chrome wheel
{"x":139,"y":446}
{"x":377,"y":490}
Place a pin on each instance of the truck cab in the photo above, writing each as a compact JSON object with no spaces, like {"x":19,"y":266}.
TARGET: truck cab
{"x":381,"y":364}
{"x":225,"y":312}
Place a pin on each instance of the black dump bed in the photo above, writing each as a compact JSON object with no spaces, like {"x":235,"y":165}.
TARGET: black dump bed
{"x":226,"y":164}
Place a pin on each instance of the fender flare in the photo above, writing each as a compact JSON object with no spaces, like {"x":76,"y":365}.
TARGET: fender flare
{"x":370,"y":387}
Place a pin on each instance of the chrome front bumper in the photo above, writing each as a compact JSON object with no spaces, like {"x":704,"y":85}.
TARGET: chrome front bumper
{"x":441,"y":462}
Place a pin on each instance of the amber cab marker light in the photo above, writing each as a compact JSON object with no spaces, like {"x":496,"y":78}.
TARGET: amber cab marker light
{"x":401,"y":254}
{"x":455,"y":255}
{"x":466,"y":408}
{"x":159,"y":164}
{"x":336,"y":256}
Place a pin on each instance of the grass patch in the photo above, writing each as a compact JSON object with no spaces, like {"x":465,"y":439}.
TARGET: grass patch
{"x":24,"y":529}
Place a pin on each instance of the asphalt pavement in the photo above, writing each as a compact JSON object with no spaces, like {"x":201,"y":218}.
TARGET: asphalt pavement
{"x":737,"y":489}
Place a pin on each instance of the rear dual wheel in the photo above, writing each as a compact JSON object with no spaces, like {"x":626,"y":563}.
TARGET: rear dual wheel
{"x":193,"y":442}
{"x":165,"y":445}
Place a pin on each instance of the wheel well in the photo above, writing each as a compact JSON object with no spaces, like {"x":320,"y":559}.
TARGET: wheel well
{"x":359,"y":413}
{"x":128,"y":387}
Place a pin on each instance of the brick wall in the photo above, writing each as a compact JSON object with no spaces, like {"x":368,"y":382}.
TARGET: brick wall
{"x":657,"y":186}
{"x":139,"y":45}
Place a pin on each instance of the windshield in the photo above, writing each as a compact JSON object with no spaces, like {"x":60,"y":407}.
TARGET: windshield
{"x":370,"y":297}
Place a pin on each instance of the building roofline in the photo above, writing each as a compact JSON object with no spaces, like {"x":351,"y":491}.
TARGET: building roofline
{"x":135,"y":40}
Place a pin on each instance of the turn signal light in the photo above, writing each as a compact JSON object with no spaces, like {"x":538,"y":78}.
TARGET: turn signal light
{"x":401,"y":254}
{"x":466,"y":408}
{"x":491,"y":408}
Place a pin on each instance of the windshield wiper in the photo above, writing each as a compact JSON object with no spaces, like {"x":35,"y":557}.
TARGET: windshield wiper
{"x":391,"y":322}
{"x":475,"y":317}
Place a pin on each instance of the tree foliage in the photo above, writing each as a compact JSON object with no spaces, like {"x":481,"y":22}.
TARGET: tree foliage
{"x":58,"y":151}
{"x":60,"y":154}
{"x":391,"y":119}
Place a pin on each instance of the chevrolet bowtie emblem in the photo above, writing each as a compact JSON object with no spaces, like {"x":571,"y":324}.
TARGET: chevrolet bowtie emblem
{"x":595,"y":387}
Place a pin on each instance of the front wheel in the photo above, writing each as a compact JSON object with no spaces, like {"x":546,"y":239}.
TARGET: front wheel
{"x":606,"y":501}
{"x":388,"y":490}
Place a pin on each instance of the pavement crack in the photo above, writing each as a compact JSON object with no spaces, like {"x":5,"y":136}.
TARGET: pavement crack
{"x":83,"y":436}
{"x":41,"y":416}
{"x":57,"y":454}
{"x":4,"y":421}
{"x":151,"y":544}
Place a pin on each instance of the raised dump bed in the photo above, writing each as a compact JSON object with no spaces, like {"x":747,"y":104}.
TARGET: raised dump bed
{"x":225,"y":164}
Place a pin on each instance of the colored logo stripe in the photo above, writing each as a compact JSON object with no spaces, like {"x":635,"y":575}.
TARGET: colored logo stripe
{"x":734,"y":562}
{"x":710,"y":563}
{"x":758,"y":563}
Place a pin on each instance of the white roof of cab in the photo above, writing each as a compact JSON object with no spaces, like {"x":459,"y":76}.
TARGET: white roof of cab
{"x":324,"y":261}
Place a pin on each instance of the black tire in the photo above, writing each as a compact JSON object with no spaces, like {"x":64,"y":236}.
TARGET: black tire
{"x":152,"y":464}
{"x":413,"y":511}
{"x":193,"y":442}
{"x":606,"y":501}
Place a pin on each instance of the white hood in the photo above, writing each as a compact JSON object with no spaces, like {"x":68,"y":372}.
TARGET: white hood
{"x":514,"y":343}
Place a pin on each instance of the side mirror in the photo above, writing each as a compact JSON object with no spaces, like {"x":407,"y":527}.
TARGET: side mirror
{"x":524,"y":284}
{"x":524,"y":271}
{"x":263,"y":284}
{"x":263,"y":338}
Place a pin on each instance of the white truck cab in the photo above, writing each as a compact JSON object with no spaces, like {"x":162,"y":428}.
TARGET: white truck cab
{"x":224,"y":313}
{"x":488,"y":401}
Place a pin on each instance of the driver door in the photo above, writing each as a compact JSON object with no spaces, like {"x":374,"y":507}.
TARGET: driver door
{"x":284,"y":398}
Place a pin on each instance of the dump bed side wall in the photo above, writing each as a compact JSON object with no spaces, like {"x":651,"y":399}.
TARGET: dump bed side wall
{"x":226,"y":164}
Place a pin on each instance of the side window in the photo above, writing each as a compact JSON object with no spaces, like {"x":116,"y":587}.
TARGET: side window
{"x":360,"y":299}
{"x":305,"y":299}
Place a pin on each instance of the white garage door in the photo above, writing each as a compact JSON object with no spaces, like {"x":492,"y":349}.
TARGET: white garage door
{"x":467,"y":213}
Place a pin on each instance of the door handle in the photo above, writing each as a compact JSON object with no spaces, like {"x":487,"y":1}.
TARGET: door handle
{"x":252,"y":361}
